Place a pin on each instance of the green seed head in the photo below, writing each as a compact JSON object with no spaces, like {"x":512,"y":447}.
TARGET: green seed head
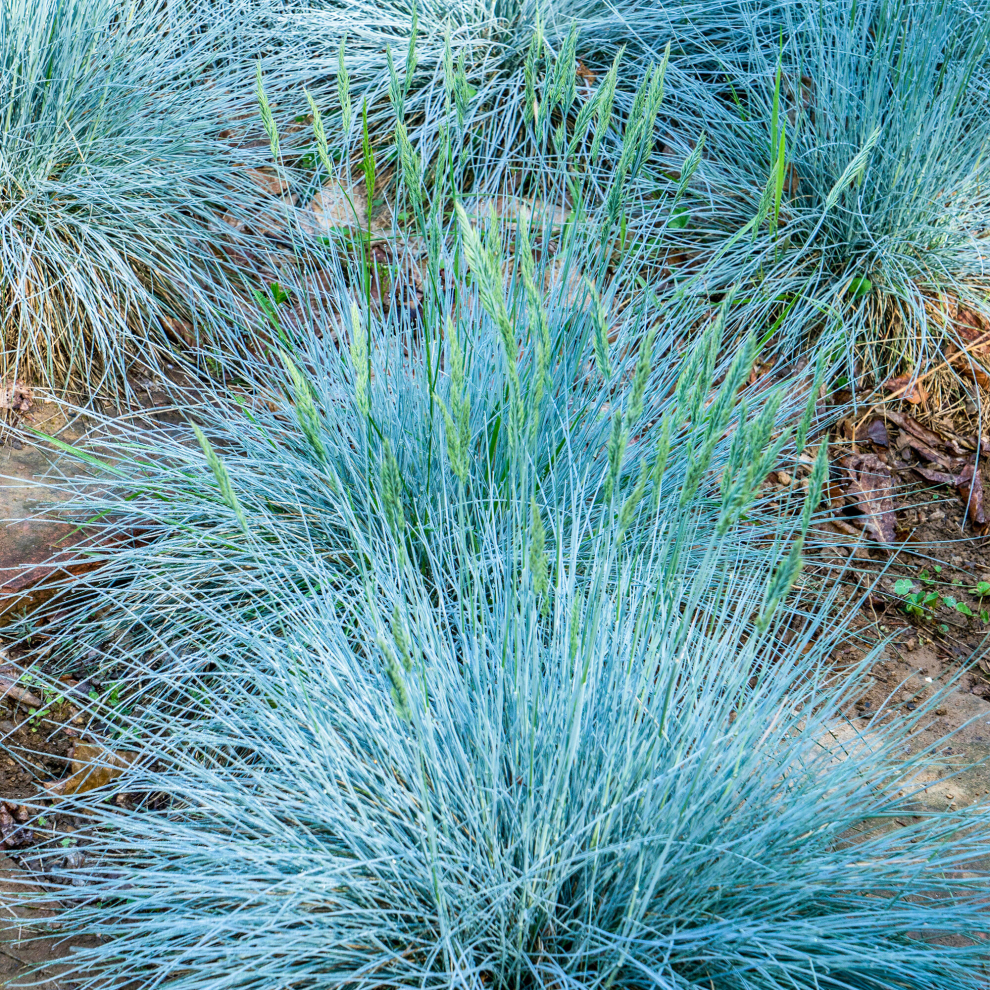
{"x":343,"y":88}
{"x":538,"y":566}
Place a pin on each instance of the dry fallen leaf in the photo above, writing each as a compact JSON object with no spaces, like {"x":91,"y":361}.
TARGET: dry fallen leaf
{"x":971,"y":492}
{"x":180,"y":329}
{"x":585,"y":74}
{"x":922,"y":440}
{"x":12,"y":834}
{"x":912,"y":426}
{"x":970,"y":322}
{"x":928,"y":453}
{"x":871,"y":485}
{"x":974,"y":344}
{"x":877,"y":432}
{"x":908,"y":388}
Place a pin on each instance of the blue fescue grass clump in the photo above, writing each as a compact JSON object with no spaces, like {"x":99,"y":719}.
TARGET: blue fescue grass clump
{"x":551,"y":759}
{"x":342,"y":413}
{"x":471,"y":671}
{"x":845,"y":154}
{"x":112,"y":184}
{"x":458,"y":660}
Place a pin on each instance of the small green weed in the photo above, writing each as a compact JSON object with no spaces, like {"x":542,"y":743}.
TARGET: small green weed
{"x":920,"y":604}
{"x":960,"y":607}
{"x":923,"y":603}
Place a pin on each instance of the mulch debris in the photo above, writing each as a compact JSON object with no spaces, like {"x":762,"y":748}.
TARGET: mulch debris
{"x":887,"y":451}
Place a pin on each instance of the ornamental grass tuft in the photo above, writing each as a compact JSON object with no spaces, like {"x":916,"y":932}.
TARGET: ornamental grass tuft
{"x":552,"y":758}
{"x":510,"y":80}
{"x":113,"y":184}
{"x":841,"y":178}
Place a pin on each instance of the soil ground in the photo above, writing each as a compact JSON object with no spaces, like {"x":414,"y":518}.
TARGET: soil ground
{"x":35,"y":751}
{"x":30,"y":952}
